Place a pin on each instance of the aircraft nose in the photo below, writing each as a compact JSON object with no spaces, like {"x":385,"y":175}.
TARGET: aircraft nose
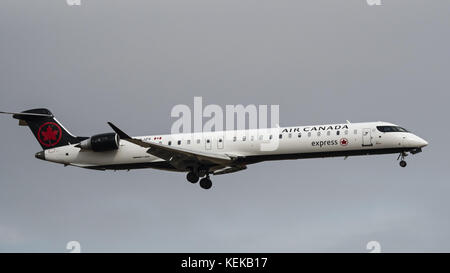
{"x":420,"y":142}
{"x":40,"y":155}
{"x":424,"y":142}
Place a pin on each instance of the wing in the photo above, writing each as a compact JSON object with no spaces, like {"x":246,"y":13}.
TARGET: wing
{"x":230,"y":169}
{"x":182,"y":158}
{"x":170,"y":153}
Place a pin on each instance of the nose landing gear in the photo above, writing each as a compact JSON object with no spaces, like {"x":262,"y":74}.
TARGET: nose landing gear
{"x":402,"y":157}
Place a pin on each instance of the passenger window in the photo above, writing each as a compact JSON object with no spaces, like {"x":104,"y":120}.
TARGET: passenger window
{"x":338,"y":133}
{"x":234,"y":139}
{"x":309,"y":134}
{"x":198,"y":141}
{"x":188,"y":141}
{"x":328,"y":133}
{"x":299,"y":135}
{"x":280,"y":136}
{"x":270,"y":137}
{"x":318,"y":133}
{"x":179,"y":142}
{"x":169,"y":143}
{"x":290,"y":135}
{"x":220,"y":140}
{"x":208,"y":141}
{"x":244,"y":138}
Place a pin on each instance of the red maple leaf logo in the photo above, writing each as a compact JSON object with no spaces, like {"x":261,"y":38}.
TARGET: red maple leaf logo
{"x":50,"y":134}
{"x":344,"y":142}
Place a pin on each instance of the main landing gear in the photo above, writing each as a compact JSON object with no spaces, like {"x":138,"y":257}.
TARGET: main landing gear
{"x":205,"y":182}
{"x":402,"y":157}
{"x":192,"y":177}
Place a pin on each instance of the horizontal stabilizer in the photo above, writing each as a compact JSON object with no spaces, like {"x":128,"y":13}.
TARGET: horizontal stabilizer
{"x":18,"y":115}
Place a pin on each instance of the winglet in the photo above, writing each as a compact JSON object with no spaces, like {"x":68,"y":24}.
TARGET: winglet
{"x":121,"y":134}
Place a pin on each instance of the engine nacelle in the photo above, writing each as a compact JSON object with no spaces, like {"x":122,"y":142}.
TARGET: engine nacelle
{"x":101,"y":142}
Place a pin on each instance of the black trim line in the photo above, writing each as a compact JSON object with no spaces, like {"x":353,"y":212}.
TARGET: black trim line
{"x":161,"y":165}
{"x":260,"y":158}
{"x":164,"y":165}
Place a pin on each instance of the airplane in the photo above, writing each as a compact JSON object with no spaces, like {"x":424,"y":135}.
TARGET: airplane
{"x":211,"y":153}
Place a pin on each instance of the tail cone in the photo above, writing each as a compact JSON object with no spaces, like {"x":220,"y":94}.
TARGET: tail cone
{"x":40,"y":155}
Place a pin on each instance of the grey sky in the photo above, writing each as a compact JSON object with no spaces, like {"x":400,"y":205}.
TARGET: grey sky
{"x":130,"y":62}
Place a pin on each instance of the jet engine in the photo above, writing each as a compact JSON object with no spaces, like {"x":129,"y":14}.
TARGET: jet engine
{"x":101,"y":142}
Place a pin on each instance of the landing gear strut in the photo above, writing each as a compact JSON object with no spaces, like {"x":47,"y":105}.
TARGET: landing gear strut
{"x":402,"y":157}
{"x":206,"y":183}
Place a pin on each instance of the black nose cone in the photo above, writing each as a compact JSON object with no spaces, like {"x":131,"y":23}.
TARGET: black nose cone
{"x":40,"y":155}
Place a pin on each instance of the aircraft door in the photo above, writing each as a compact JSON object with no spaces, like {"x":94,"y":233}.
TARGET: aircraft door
{"x":366,"y":137}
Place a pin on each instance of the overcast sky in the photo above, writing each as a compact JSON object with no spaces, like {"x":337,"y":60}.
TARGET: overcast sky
{"x":131,"y":61}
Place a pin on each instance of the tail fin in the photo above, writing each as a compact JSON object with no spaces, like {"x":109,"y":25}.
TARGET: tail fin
{"x":47,"y":130}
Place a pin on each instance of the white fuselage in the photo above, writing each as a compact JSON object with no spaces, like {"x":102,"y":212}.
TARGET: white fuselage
{"x":251,"y":145}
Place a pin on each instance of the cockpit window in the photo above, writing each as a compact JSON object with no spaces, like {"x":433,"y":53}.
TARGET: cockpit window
{"x":389,"y":129}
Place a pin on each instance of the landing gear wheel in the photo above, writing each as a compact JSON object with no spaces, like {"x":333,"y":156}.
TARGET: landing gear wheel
{"x":192,"y":177}
{"x":401,"y":157}
{"x":205,"y":183}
